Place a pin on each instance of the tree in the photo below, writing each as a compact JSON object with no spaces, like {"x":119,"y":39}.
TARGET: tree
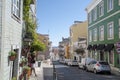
{"x":31,"y":26}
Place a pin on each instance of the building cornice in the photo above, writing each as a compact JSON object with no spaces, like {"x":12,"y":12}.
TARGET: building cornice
{"x":92,"y":5}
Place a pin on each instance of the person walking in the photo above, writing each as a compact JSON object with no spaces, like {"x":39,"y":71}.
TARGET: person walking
{"x":33,"y":63}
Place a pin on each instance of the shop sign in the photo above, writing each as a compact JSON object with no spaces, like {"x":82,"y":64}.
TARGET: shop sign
{"x":118,"y":44}
{"x":118,"y":50}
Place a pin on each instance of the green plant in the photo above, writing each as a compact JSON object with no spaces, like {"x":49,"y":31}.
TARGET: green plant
{"x":26,"y":68}
{"x":12,"y":53}
{"x":24,"y":60}
{"x":14,"y":78}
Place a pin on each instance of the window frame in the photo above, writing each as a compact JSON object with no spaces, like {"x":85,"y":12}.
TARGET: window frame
{"x":95,"y":34}
{"x":90,"y":35}
{"x":119,"y":27}
{"x":119,"y":2}
{"x":110,"y":35}
{"x":90,"y":17}
{"x":16,"y":9}
{"x":101,"y":8}
{"x":108,"y":6}
{"x":94,"y":13}
{"x":100,"y":33}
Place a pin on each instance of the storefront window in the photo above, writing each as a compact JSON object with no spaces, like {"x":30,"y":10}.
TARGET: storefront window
{"x":118,"y":61}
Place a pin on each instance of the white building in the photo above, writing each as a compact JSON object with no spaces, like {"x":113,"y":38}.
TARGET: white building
{"x":10,"y":36}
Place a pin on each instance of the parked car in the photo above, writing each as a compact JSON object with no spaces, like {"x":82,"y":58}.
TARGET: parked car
{"x":73,"y":63}
{"x":62,"y":61}
{"x":98,"y":66}
{"x":83,"y":62}
{"x":67,"y":60}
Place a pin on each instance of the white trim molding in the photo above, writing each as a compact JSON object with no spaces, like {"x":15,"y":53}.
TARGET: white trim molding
{"x":110,"y":6}
{"x":104,"y":19}
{"x":110,"y":34}
{"x":93,"y":4}
{"x":101,"y":28}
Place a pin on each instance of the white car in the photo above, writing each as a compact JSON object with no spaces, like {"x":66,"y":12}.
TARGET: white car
{"x":67,"y":60}
{"x":73,"y":63}
{"x":84,"y":61}
{"x":62,"y":61}
{"x":98,"y":66}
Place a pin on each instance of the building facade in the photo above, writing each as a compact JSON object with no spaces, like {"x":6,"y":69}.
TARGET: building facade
{"x":77,"y":30}
{"x":10,"y":37}
{"x":104,"y":30}
{"x":44,"y":38}
{"x":64,"y":49}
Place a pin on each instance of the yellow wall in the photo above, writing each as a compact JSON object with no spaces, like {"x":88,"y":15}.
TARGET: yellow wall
{"x":44,"y":39}
{"x":67,"y":55}
{"x":78,"y":30}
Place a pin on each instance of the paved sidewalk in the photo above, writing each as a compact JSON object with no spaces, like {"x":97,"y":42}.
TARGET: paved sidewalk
{"x":40,"y":71}
{"x":115,"y":71}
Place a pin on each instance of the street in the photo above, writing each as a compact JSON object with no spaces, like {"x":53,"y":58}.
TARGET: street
{"x":65,"y":72}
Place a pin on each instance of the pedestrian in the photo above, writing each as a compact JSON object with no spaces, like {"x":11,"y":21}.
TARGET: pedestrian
{"x":33,"y":63}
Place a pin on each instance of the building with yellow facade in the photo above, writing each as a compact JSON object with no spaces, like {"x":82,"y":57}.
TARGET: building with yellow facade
{"x":77,"y":30}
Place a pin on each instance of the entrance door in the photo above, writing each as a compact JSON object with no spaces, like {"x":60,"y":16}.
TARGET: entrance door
{"x":15,"y":64}
{"x":111,"y":53}
{"x":101,"y":55}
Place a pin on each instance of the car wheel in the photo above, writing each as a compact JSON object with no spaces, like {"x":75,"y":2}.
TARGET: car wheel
{"x":86,"y":69}
{"x":109,"y":73}
{"x":95,"y":71}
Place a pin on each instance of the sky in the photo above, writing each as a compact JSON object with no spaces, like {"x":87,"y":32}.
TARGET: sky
{"x":54,"y":17}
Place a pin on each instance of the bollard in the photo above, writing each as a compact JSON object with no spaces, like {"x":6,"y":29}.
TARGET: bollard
{"x":54,"y":73}
{"x":39,"y":63}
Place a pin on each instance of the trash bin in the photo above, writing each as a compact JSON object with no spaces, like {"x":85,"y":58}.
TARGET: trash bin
{"x":39,"y":63}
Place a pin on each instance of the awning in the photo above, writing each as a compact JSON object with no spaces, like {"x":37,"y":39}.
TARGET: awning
{"x":101,"y":47}
{"x":109,"y":47}
{"x":94,"y":47}
{"x":89,"y":47}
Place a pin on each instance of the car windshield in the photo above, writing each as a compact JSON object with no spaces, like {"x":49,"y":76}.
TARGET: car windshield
{"x":104,"y":63}
{"x":74,"y":61}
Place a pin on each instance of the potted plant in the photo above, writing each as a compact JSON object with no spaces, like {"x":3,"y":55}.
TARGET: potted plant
{"x":23,"y":62}
{"x":14,"y":78}
{"x":26,"y":69}
{"x":12,"y":55}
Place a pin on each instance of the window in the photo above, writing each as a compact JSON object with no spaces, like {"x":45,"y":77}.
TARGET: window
{"x":89,"y":18}
{"x":95,"y":34}
{"x":90,"y":36}
{"x":110,"y":30}
{"x":110,"y":5}
{"x":95,"y":14}
{"x":119,"y":2}
{"x":101,"y":34}
{"x":119,"y":28}
{"x":16,"y":8}
{"x":101,"y":8}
